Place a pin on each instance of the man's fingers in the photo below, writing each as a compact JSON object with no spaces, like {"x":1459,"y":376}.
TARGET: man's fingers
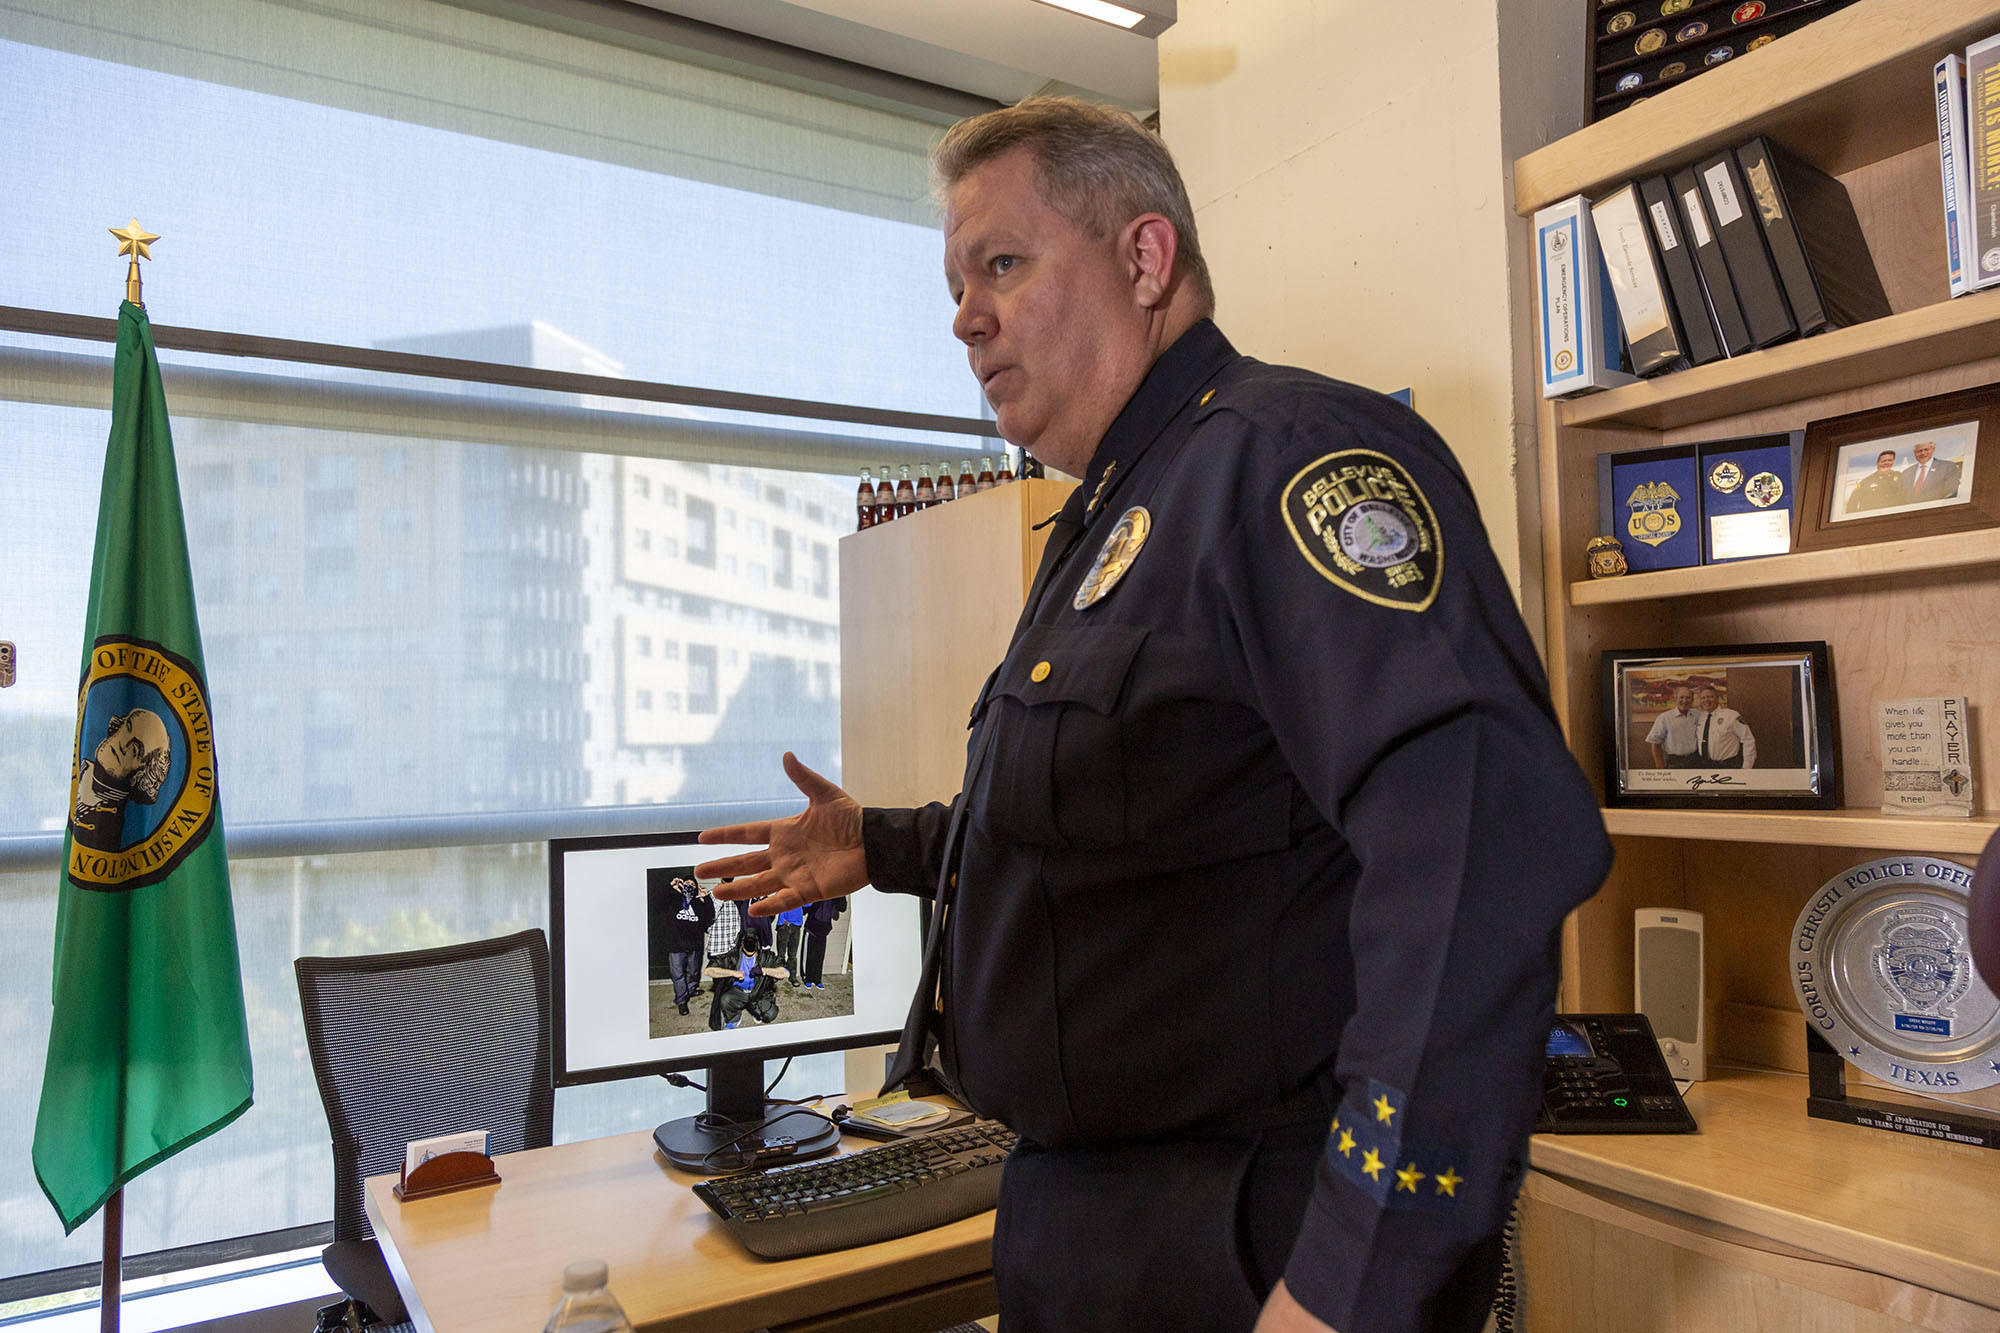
{"x":752,"y":886}
{"x":812,"y":784}
{"x":758,"y":832}
{"x":746,"y":863}
{"x":781,"y":901}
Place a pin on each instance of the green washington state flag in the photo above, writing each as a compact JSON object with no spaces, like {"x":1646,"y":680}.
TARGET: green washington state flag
{"x":148,"y":1049}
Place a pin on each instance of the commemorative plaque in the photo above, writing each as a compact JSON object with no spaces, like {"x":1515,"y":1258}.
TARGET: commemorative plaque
{"x":1926,"y":766}
{"x":1882,"y":967}
{"x":1746,"y":501}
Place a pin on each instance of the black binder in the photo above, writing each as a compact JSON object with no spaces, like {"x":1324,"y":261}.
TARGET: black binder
{"x":1645,"y":306}
{"x":1708,"y":260}
{"x":1699,"y":341}
{"x":1751,"y":272}
{"x":1815,"y":240}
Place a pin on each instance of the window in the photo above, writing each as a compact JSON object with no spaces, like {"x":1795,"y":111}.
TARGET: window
{"x":781,"y":558}
{"x":641,"y":487}
{"x":701,"y":697}
{"x":643,"y":700}
{"x":643,"y":646}
{"x":642,"y":539}
{"x":404,"y":580}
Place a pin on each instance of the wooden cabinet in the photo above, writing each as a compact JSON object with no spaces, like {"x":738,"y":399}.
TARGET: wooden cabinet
{"x":1767,"y":1218}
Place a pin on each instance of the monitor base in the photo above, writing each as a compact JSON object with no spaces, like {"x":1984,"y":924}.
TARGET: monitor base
{"x":714,"y":1148}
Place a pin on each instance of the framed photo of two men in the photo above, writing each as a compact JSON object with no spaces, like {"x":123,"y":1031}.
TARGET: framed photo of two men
{"x":1739,"y":726}
{"x":1906,"y":470}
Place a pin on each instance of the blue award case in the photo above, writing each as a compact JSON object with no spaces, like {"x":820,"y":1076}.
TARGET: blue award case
{"x":1745,"y":514}
{"x":1650,"y":500}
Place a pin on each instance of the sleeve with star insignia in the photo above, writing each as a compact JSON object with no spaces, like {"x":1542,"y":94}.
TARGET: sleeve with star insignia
{"x":1381,"y":643}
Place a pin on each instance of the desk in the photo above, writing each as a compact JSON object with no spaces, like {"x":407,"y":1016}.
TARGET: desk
{"x":488,"y":1259}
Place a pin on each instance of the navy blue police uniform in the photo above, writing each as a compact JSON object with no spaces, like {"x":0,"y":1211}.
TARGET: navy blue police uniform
{"x":1251,"y":902}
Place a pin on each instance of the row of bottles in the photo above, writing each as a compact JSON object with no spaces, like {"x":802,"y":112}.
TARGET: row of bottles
{"x":880,"y":501}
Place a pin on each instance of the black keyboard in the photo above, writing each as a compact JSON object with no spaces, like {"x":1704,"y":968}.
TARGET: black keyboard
{"x":875,"y":1194}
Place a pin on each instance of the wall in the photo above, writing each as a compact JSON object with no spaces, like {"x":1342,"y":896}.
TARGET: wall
{"x":1350,"y":165}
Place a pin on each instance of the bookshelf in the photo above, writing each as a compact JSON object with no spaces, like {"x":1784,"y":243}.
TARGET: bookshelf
{"x":1769,"y":1218}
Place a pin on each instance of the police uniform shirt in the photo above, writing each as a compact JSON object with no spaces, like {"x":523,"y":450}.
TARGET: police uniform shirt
{"x":1304,"y":725}
{"x":1723,"y":733}
{"x":1677,"y":733}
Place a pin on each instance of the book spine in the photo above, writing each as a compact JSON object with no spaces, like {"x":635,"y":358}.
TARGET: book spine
{"x":1778,"y":215}
{"x":1581,"y":344}
{"x":1715,"y":285}
{"x":1635,"y":277}
{"x":1742,"y":239}
{"x":1982,"y":87}
{"x":1948,"y":82}
{"x":1697,"y":326}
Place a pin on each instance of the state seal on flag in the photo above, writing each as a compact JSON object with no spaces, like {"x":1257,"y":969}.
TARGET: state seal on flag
{"x":142,"y":785}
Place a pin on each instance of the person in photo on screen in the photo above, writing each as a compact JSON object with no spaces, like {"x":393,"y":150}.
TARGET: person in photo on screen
{"x":1725,"y":739}
{"x":693,"y":912}
{"x":1930,"y":477}
{"x":1674,"y":736}
{"x":1884,"y":488}
{"x":790,"y":926}
{"x":1268,"y":646}
{"x":747,"y":978}
{"x":820,"y":917}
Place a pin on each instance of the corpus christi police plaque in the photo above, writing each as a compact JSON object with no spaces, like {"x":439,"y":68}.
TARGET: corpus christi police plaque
{"x":1881,"y":966}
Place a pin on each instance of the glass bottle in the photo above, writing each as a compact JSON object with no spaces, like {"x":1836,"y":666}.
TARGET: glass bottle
{"x":906,"y":493}
{"x":1006,"y":472}
{"x":926,"y":493}
{"x":587,"y":1305}
{"x":864,"y":502}
{"x":885,"y":497}
{"x":967,"y":483}
{"x":985,"y":472}
{"x":946,"y":492}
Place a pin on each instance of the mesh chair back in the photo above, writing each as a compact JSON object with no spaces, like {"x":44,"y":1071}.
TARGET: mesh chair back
{"x":408,"y":1045}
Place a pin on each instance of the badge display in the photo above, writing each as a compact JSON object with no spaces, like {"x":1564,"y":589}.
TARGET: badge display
{"x":1746,"y":506}
{"x":1651,"y":500}
{"x":1881,"y":968}
{"x":1361,"y":520}
{"x":1120,"y":549}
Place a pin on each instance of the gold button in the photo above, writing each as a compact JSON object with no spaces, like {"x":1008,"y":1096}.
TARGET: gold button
{"x":1040,"y":673}
{"x":1205,"y":397}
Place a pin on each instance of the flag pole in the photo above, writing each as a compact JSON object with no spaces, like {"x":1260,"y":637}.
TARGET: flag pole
{"x":114,"y":1244}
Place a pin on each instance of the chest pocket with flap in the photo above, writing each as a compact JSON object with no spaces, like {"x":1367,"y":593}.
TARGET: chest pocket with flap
{"x":1055,"y":773}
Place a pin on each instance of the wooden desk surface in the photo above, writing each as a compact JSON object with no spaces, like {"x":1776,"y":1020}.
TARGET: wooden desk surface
{"x":1913,"y":1209}
{"x":492,"y":1258}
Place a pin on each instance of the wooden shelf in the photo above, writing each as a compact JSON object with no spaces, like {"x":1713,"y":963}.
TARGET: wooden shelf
{"x":1810,"y":828}
{"x":1916,"y":1210}
{"x":1852,"y":88}
{"x":1928,"y":338}
{"x":1952,"y":550}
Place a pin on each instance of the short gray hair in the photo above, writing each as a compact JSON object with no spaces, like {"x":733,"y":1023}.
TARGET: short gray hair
{"x":1097,"y":166}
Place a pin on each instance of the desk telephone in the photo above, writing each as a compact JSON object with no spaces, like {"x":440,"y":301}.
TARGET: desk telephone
{"x":1605,"y":1075}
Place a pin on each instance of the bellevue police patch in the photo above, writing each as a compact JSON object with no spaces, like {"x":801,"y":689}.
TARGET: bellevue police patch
{"x":142,"y":784}
{"x":1360,"y":519}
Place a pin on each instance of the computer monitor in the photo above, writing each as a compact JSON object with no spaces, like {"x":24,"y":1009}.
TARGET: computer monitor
{"x":615,"y":917}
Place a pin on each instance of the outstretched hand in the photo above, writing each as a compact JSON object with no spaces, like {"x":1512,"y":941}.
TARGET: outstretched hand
{"x":811,"y":856}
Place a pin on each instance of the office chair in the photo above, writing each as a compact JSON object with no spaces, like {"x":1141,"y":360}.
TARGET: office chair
{"x":408,"y":1045}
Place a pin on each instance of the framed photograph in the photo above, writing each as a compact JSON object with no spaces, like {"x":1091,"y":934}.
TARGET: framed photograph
{"x":1907,"y":470}
{"x":1738,"y":726}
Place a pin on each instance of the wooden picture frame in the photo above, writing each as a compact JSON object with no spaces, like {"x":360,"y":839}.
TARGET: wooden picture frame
{"x":1858,"y":468}
{"x":1765,"y":742}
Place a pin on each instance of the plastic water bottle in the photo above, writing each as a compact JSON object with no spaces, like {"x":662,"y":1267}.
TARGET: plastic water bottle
{"x":587,"y":1305}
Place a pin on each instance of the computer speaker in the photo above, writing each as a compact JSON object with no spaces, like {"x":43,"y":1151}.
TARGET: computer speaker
{"x":1667,"y":985}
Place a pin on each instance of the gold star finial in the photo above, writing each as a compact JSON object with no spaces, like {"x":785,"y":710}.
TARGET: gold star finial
{"x":1371,"y":1164}
{"x":1383,"y":1111}
{"x":1448,"y":1181}
{"x":1407,"y":1178}
{"x":135,"y":241}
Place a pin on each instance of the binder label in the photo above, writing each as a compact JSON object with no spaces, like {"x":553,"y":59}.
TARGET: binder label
{"x":1663,"y":226}
{"x":1727,"y":209}
{"x":1697,"y":219}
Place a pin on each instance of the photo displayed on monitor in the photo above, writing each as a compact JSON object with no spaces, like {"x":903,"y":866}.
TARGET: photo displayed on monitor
{"x":651,"y":972}
{"x":712,"y":967}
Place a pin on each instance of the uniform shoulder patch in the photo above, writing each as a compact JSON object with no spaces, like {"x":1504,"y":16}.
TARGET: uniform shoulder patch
{"x":1362,"y":521}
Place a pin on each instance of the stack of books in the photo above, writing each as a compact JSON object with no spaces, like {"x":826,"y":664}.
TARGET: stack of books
{"x":1744,"y":249}
{"x":1968,"y":116}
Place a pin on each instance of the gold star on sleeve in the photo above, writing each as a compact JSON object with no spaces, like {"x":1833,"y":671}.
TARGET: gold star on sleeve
{"x":1448,"y":1181}
{"x":1346,"y":1143}
{"x":1407,"y":1178}
{"x":1371,"y":1164}
{"x":1383,"y":1111}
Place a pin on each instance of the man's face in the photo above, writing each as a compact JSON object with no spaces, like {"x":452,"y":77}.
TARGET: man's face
{"x":1709,"y":699}
{"x":134,"y":755}
{"x":1884,"y":461}
{"x":1924,"y":452}
{"x":1047,"y":313}
{"x":1683,"y":699}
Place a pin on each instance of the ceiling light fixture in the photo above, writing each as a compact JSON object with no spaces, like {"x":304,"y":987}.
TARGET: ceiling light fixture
{"x":1147,"y":18}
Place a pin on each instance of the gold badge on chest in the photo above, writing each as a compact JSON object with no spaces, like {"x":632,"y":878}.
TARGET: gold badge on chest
{"x":1120,"y":549}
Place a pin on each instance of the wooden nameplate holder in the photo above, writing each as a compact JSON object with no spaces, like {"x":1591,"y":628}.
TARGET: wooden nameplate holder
{"x":447,"y":1173}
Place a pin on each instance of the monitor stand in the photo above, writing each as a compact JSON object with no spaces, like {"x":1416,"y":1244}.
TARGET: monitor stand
{"x":726,"y":1137}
